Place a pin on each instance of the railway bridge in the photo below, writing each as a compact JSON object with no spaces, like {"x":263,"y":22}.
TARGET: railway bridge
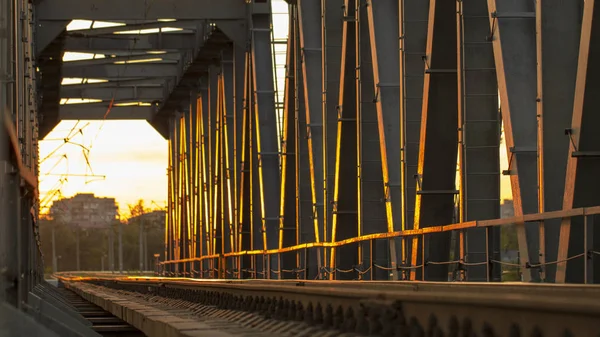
{"x":342,"y":179}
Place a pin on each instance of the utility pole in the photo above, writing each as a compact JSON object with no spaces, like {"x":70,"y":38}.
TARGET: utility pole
{"x":141,"y":233}
{"x":120,"y":246}
{"x":111,"y":250}
{"x":146,"y":264}
{"x":54,"y":262}
{"x":77,"y":245}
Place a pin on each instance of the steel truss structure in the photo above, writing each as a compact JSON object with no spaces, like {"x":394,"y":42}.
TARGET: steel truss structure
{"x":382,"y":100}
{"x":356,"y":177}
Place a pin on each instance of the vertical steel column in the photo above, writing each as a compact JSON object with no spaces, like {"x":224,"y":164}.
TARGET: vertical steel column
{"x":311,"y":56}
{"x":414,"y":16}
{"x":204,"y":133}
{"x":479,"y":138}
{"x":220,"y":175}
{"x":304,"y":204}
{"x":195,"y":188}
{"x":256,"y":223}
{"x":11,"y":214}
{"x":190,"y":185}
{"x":213,"y":163}
{"x":344,"y":210}
{"x":436,"y":174}
{"x":372,"y":214}
{"x":513,"y":34}
{"x":239,"y":62}
{"x":266,"y":129}
{"x":29,"y":247}
{"x":169,"y":239}
{"x":245,"y":187}
{"x":559,"y":23}
{"x":583,"y":163}
{"x":287,"y":205}
{"x":333,"y":11}
{"x":177,"y":192}
{"x":21,"y":126}
{"x":182,"y":172}
{"x":7,"y":181}
{"x":216,"y":155}
{"x":228,"y":118}
{"x":383,"y":29}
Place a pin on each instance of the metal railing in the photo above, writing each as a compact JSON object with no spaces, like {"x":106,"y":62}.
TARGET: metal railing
{"x":185,"y":267}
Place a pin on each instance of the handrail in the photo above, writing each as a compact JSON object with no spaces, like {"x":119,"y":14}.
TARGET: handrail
{"x":519,"y":220}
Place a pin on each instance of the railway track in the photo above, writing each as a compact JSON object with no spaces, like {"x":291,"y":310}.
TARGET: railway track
{"x":337,"y":308}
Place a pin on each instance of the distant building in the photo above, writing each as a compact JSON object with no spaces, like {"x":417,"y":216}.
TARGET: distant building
{"x":154,"y":217}
{"x":507,"y":209}
{"x":85,"y":210}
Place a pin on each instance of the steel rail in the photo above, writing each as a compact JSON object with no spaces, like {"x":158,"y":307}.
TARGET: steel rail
{"x":382,"y":308}
{"x":566,"y":290}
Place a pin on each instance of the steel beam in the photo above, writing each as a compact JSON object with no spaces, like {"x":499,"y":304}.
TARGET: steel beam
{"x":171,"y":218}
{"x":142,"y":82}
{"x":332,"y":46}
{"x":414,"y":24}
{"x":6,"y":220}
{"x":196,"y":194}
{"x":345,"y":200}
{"x":266,"y":131}
{"x":436,"y":173}
{"x":311,"y":54}
{"x":98,"y":112}
{"x":479,"y":142}
{"x":176,"y":142}
{"x":245,"y":235}
{"x":167,"y":58}
{"x":236,"y":30}
{"x":228,"y":125}
{"x":10,"y":228}
{"x":122,"y":70}
{"x":46,"y":32}
{"x":171,"y":41}
{"x":305,"y":223}
{"x":372,"y":211}
{"x":115,"y":10}
{"x":288,"y":214}
{"x":126,"y":93}
{"x":239,"y":59}
{"x":190,"y":25}
{"x":205,"y":170}
{"x":559,"y":23}
{"x":513,"y":38}
{"x":305,"y":229}
{"x":578,"y":241}
{"x":212,"y":151}
{"x":384,"y":38}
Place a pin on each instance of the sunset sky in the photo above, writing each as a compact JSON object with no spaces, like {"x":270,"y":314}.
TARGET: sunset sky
{"x":130,"y":154}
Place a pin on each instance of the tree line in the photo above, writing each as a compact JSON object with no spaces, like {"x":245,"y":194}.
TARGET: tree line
{"x":94,"y":242}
